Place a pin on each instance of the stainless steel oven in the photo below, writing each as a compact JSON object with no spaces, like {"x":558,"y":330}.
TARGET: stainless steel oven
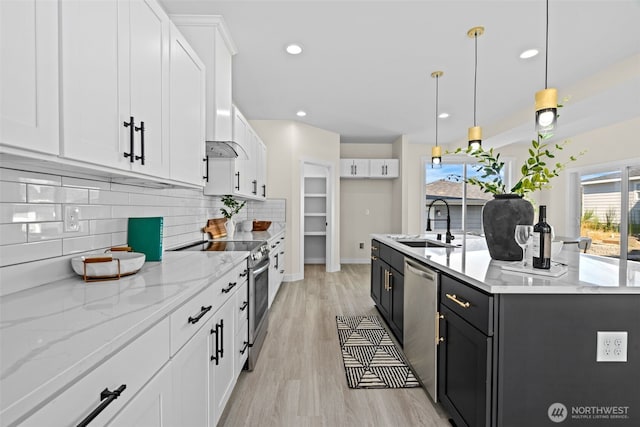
{"x":258,"y":265}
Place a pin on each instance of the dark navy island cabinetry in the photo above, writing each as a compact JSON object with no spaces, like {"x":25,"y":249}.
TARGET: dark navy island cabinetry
{"x":387,"y":285}
{"x":523,"y":350}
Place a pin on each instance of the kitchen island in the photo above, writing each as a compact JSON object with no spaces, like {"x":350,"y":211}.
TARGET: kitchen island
{"x":521,"y":349}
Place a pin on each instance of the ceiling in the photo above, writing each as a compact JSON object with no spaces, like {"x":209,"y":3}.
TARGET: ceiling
{"x":366,"y":65}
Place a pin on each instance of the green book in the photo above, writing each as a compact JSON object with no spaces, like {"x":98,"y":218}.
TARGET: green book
{"x":145,"y":235}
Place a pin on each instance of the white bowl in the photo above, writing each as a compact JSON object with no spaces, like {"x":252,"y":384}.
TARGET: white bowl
{"x":556,"y":247}
{"x":130,"y":262}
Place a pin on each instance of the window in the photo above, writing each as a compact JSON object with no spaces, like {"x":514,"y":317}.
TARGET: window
{"x":465,"y":201}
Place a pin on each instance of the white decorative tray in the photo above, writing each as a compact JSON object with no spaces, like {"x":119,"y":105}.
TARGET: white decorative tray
{"x":107,"y":266}
{"x":556,"y":270}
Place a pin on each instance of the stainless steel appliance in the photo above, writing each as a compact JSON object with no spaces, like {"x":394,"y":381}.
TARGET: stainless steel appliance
{"x":421,"y":323}
{"x":258,"y":267}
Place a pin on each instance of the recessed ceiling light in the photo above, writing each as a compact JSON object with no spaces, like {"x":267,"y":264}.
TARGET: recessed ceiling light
{"x":443,"y":115}
{"x":294,"y":49}
{"x":301,"y":113}
{"x":529,"y":53}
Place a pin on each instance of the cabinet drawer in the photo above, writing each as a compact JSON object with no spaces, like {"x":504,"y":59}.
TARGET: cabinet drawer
{"x":188,"y":319}
{"x":472,"y":305}
{"x":242,"y":304}
{"x":132,"y":366}
{"x":228,"y":284}
{"x":392,"y":257}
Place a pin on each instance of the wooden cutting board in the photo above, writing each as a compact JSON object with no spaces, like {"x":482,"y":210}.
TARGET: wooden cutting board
{"x":215,"y":227}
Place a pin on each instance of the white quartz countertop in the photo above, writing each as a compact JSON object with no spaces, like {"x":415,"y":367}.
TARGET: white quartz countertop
{"x":53,"y":334}
{"x":472,"y":264}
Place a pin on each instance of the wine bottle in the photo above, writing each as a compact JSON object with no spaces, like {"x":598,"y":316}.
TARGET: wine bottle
{"x":542,"y":241}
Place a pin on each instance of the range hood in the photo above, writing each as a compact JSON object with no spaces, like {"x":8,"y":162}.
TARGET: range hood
{"x":225,"y":150}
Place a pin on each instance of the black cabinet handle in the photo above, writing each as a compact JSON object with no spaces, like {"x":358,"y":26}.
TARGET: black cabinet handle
{"x":244,"y":347}
{"x":106,"y":397}
{"x":244,"y":306}
{"x":131,"y":127}
{"x":244,"y":273}
{"x":214,"y":356}
{"x":206,"y":168}
{"x":203,"y":310}
{"x":238,"y":177}
{"x":264,"y":190}
{"x":141,"y":129}
{"x":228,"y":288}
{"x":221,"y":349}
{"x":255,"y":187}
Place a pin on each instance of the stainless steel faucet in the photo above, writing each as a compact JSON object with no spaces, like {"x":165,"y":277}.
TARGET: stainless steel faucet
{"x":449,"y":237}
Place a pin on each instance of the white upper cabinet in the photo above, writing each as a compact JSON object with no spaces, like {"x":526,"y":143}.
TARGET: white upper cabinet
{"x":187,"y":111}
{"x":354,"y":168}
{"x":384,"y":168}
{"x":115,"y":80}
{"x":210,"y":38}
{"x":29,"y":75}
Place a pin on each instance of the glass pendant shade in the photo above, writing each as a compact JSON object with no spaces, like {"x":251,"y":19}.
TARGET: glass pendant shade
{"x":546,"y":110}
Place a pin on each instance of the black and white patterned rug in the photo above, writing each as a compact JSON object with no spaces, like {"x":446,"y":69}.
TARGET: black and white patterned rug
{"x":371,"y":359}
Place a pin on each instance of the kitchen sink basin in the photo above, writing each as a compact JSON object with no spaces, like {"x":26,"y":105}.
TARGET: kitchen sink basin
{"x":428,"y":243}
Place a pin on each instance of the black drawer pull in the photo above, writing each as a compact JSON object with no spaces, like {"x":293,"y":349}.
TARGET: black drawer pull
{"x":244,"y":347}
{"x":244,"y":306}
{"x":238,"y":177}
{"x":228,"y":288}
{"x":244,"y":273}
{"x":141,"y":130}
{"x":454,"y":298}
{"x":203,"y":310}
{"x":106,"y":397}
{"x":130,"y":125}
{"x":206,"y":166}
{"x":214,"y":355}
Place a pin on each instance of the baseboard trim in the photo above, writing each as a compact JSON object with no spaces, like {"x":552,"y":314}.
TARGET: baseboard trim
{"x":355,"y":261}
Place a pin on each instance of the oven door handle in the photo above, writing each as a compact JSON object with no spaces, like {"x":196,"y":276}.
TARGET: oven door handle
{"x":260,"y":270}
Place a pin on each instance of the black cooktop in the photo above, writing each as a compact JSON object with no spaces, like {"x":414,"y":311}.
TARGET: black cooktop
{"x":221,"y":245}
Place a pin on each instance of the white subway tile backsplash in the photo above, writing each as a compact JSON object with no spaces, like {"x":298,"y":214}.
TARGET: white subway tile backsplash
{"x":13,"y":233}
{"x":32,"y":236}
{"x":88,"y":243}
{"x":26,"y":252}
{"x":105,"y":197}
{"x":13,"y":192}
{"x":23,"y":212}
{"x":49,"y":194}
{"x":15,"y":175}
{"x":85,"y":183}
{"x":102,"y":226}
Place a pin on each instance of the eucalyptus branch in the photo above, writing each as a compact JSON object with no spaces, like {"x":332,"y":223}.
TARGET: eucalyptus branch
{"x":233,"y":206}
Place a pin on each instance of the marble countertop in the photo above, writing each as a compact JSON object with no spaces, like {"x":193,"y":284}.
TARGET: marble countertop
{"x":471,"y":263}
{"x":53,"y":334}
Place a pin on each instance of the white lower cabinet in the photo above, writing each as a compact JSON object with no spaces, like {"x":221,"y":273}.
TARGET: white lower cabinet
{"x":242,"y":328}
{"x":190,"y":373}
{"x":151,"y":407}
{"x":276,"y":265}
{"x":127,"y":372}
{"x":222,"y":359}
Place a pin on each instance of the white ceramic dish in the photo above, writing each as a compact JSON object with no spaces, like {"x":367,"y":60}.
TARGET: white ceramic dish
{"x":120,"y":263}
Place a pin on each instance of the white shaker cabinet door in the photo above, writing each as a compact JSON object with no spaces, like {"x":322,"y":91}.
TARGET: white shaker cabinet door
{"x":149,"y":77}
{"x":223,"y":352}
{"x":152,"y":407}
{"x":190,"y":373}
{"x":29,"y":75}
{"x":91,"y":86}
{"x":187,"y":112}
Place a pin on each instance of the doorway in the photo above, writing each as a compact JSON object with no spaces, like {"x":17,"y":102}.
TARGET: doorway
{"x":317,"y":214}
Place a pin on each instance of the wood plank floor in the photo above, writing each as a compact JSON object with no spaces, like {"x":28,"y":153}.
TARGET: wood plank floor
{"x":299,"y":379}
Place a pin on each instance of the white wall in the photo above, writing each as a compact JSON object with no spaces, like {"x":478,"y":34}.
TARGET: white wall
{"x":289,"y":142}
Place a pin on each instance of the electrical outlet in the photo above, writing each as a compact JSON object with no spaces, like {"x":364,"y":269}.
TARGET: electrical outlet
{"x":361,"y":245}
{"x":611,"y":346}
{"x":71,"y":218}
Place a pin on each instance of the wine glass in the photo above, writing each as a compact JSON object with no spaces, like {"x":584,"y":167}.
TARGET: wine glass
{"x":523,"y":236}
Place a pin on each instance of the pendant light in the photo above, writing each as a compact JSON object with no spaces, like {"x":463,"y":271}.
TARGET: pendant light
{"x":475,"y":132}
{"x":546,"y":99}
{"x":436,"y":152}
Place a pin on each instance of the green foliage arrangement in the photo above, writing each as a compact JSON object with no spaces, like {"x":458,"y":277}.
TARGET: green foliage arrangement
{"x":233,"y":206}
{"x":536,"y":172}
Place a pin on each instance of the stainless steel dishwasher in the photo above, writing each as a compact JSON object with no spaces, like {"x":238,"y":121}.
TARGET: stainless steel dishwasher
{"x":421,"y":322}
